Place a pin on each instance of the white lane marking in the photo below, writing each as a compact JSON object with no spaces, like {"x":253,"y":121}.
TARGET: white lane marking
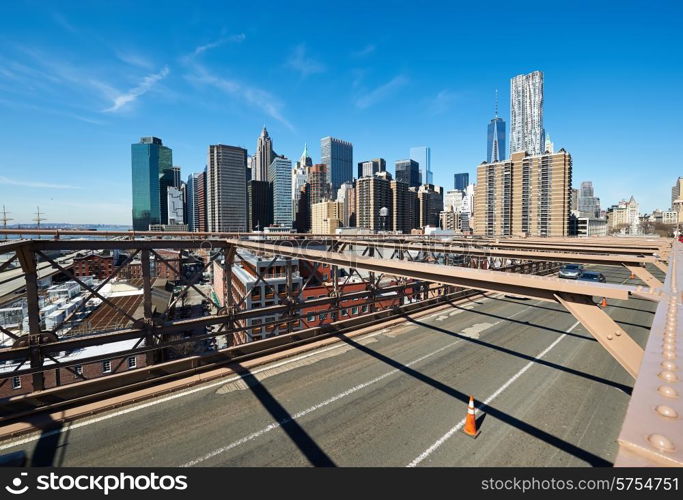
{"x":493,"y":396}
{"x":176,"y":395}
{"x":201,"y":387}
{"x":275,"y":425}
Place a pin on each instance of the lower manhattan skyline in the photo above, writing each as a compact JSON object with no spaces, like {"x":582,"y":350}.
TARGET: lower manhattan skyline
{"x":79,"y":84}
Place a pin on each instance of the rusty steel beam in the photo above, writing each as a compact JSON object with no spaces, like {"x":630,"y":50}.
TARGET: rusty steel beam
{"x":577,"y":257}
{"x":652,"y":433}
{"x":610,"y":335}
{"x":542,"y":288}
{"x":645,"y":276}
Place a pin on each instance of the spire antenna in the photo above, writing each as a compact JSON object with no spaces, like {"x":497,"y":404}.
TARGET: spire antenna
{"x":496,"y":103}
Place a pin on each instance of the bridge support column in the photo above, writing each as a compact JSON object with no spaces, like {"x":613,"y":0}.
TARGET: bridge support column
{"x":27,"y":259}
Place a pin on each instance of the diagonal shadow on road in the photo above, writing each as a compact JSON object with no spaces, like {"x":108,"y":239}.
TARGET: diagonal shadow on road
{"x":315,"y":455}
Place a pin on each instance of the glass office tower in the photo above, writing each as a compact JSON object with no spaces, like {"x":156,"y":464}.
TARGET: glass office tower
{"x":408,"y":172}
{"x":461,"y":181}
{"x":495,"y":144}
{"x":149,"y":157}
{"x":422,"y":155}
{"x":338,"y":156}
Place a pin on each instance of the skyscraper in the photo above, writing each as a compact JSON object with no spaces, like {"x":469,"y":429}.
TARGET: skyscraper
{"x":260,"y":202}
{"x":373,"y":194}
{"x":201,"y":217}
{"x":371,"y":167}
{"x":460,"y":181}
{"x":525,"y":195}
{"x":402,"y":202}
{"x":299,"y":178}
{"x":430,"y":202}
{"x":317,"y":178}
{"x":423,"y":156}
{"x":338,"y":156}
{"x":495,"y":144}
{"x":526,"y":114}
{"x":169,"y":177}
{"x":587,"y":203}
{"x":346,"y":195}
{"x":408,"y":172}
{"x":190,"y":203}
{"x":280,"y":179}
{"x":226,"y":196}
{"x":263,"y":157}
{"x":149,"y":158}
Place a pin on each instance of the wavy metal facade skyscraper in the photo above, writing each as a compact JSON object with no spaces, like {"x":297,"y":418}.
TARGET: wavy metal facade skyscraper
{"x":526,"y":114}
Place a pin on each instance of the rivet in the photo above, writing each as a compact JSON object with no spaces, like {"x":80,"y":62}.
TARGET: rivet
{"x":660,"y":442}
{"x":669,"y":355}
{"x":617,"y":332}
{"x":668,"y":365}
{"x":666,"y":411}
{"x":667,"y":391}
{"x":669,"y":346}
{"x":668,"y":375}
{"x":609,"y":336}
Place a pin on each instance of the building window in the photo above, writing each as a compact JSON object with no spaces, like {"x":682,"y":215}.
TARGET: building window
{"x":78,"y":369}
{"x":16,"y":382}
{"x":322,"y":316}
{"x":364,"y":309}
{"x":310,"y":317}
{"x":354,"y":310}
{"x":106,"y":366}
{"x":132,"y":362}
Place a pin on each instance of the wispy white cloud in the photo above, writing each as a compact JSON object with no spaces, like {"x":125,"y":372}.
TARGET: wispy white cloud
{"x":442,"y":102}
{"x":217,"y":43}
{"x":365,"y":51}
{"x":134,"y":59}
{"x":250,"y":95}
{"x":63,"y":22}
{"x":49,"y":110}
{"x":145,"y":86}
{"x":380,"y":93}
{"x":304,"y":64}
{"x":30,"y":184}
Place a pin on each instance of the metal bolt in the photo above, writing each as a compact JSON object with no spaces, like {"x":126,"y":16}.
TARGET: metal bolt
{"x":667,"y":391}
{"x":617,"y":332}
{"x":609,"y":336}
{"x":668,"y":375}
{"x":668,"y":365}
{"x":669,"y":355}
{"x":660,"y":442}
{"x":666,"y":411}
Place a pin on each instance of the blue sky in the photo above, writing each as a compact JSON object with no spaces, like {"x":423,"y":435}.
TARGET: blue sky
{"x":81,"y":81}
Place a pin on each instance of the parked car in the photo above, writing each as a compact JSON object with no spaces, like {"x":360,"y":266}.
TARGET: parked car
{"x":592,"y":276}
{"x":571,"y":271}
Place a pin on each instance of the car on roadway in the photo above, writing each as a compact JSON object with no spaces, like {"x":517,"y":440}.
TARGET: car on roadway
{"x":592,"y":276}
{"x":571,"y":271}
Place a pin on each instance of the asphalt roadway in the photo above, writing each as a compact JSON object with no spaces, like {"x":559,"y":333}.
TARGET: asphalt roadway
{"x":547,"y":394}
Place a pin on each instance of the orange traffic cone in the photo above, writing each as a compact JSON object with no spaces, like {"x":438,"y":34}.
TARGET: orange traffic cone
{"x":470,"y":421}
{"x":603,"y":303}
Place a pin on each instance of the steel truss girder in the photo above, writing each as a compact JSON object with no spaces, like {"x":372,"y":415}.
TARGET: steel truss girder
{"x":580,"y":257}
{"x":645,"y":276}
{"x":538,"y":287}
{"x":610,"y":335}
